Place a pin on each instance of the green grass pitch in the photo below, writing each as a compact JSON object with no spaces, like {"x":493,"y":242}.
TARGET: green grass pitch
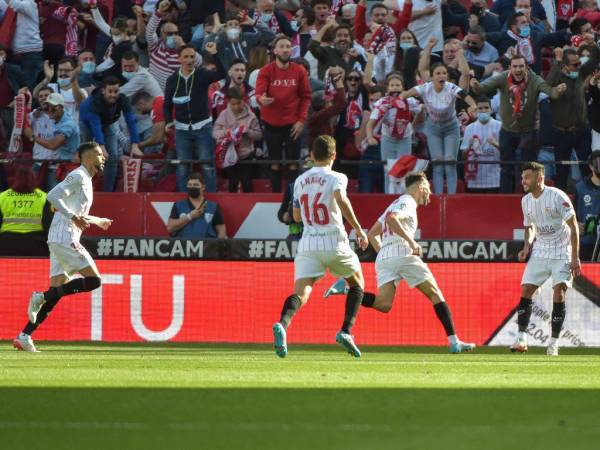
{"x":169,"y":396}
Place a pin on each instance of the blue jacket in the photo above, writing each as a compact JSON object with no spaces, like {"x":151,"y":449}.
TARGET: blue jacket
{"x":587,"y":205}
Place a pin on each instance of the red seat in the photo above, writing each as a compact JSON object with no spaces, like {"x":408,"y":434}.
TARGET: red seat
{"x":261,"y":185}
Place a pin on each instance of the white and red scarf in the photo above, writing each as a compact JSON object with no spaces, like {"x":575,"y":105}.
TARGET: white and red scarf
{"x":226,"y":150}
{"x":273,"y":24}
{"x":383,"y":37}
{"x":353,"y":115}
{"x":400,"y":168}
{"x":69,"y":16}
{"x":517,"y":93}
{"x":22,"y":110}
{"x":564,"y":10}
{"x":524,"y":47}
{"x":402,"y":118}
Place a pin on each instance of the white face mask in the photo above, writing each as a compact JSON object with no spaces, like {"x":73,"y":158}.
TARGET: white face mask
{"x":233,"y":34}
{"x":2,"y":58}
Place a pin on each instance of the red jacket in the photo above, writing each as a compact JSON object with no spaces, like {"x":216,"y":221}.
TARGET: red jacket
{"x":401,"y":23}
{"x":290,"y":90}
{"x":592,"y":17}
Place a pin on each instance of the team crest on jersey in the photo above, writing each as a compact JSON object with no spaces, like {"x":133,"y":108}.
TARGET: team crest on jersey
{"x":208,"y":217}
{"x":566,"y":204}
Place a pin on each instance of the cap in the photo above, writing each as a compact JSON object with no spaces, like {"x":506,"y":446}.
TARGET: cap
{"x":55,"y":99}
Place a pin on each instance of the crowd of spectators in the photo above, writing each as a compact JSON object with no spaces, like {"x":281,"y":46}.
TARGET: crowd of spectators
{"x":464,"y":84}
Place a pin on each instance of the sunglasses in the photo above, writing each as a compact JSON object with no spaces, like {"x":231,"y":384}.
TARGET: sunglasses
{"x":352,"y":78}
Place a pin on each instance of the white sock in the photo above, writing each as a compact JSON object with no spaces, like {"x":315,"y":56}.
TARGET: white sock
{"x":523,"y":336}
{"x":452,"y":339}
{"x":553,"y":341}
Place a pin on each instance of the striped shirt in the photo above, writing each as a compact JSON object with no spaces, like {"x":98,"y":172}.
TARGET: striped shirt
{"x":72,"y":196}
{"x":548,"y":215}
{"x":163,"y":60}
{"x":440,"y":106}
{"x":393,"y":245}
{"x":323,"y":222}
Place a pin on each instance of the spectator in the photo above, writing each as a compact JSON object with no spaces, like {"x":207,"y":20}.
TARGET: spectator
{"x":137,"y":78}
{"x":11,"y":80}
{"x":187,"y":104}
{"x":370,"y":176}
{"x":538,"y":24}
{"x":570,"y":124}
{"x":593,"y":102}
{"x":326,"y":109}
{"x":66,"y":137}
{"x":588,"y":9}
{"x":303,"y":24}
{"x":519,"y":88}
{"x":321,"y":10}
{"x":479,"y":15}
{"x":195,"y":217}
{"x":441,"y":126}
{"x":66,"y":85}
{"x":99,"y":116}
{"x":342,"y":53}
{"x":452,"y":57}
{"x":393,"y":115}
{"x":238,"y":114}
{"x":275,"y":20}
{"x":87,"y":61}
{"x":586,"y":202}
{"x":426,"y":21}
{"x":520,"y":39}
{"x":480,"y":55}
{"x":481,"y":143}
{"x":582,"y":33}
{"x":43,"y":126}
{"x":258,"y":57}
{"x":379,"y":17}
{"x":25,"y":217}
{"x":506,"y":8}
{"x":233,"y":44}
{"x":236,"y":78}
{"x":163,"y":51}
{"x":27,"y":44}
{"x":153,"y":138}
{"x":285,"y":214}
{"x":283,"y":93}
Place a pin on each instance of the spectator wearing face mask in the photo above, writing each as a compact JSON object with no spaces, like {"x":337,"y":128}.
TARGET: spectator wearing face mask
{"x":521,"y":39}
{"x":273,"y":19}
{"x":480,"y":55}
{"x":66,"y":85}
{"x":506,"y":8}
{"x":87,"y":76}
{"x":569,"y":113}
{"x":137,"y":78}
{"x":163,"y":50}
{"x":43,"y":126}
{"x":233,"y":44}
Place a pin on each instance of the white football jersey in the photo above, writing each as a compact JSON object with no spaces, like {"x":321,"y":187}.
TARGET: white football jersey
{"x":393,"y":245}
{"x":323,"y":222}
{"x":548,"y":215}
{"x":77,"y":193}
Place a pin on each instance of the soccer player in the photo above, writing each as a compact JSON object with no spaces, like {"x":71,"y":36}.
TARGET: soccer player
{"x":72,"y":199}
{"x":320,"y":202}
{"x":549,"y":217}
{"x":399,"y":257}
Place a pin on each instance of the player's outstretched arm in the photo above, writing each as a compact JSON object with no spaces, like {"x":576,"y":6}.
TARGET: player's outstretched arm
{"x":575,"y":263}
{"x":346,"y":208}
{"x":394,"y":222}
{"x":374,"y":236}
{"x":100,"y":222}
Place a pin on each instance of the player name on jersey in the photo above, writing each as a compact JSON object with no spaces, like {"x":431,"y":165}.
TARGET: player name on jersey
{"x":282,"y":250}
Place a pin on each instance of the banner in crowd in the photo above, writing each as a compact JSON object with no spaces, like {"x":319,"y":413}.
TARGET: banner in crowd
{"x":280,"y":250}
{"x":217,"y":301}
{"x":254,"y":216}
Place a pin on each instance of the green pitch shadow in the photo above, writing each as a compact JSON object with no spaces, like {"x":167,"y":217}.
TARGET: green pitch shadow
{"x":307,"y":419}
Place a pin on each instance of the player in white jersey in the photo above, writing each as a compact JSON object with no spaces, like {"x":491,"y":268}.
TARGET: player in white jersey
{"x":399,"y":257}
{"x":320,"y":202}
{"x":72,"y":199}
{"x":549,"y":217}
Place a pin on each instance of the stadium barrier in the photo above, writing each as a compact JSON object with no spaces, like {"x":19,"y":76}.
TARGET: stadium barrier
{"x":178,"y":291}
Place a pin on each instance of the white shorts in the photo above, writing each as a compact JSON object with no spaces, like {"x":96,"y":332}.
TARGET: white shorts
{"x":342,"y":262}
{"x":410,"y":268}
{"x":538,"y":270}
{"x":68,"y":259}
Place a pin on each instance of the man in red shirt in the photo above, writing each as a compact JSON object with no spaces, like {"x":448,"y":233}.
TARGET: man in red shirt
{"x":283,"y":92}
